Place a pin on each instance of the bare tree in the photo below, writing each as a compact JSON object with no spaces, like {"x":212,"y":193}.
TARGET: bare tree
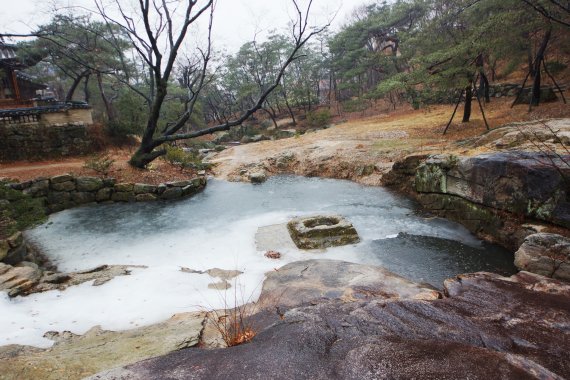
{"x":158,"y":43}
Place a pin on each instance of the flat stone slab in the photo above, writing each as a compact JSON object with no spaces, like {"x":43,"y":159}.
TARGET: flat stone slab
{"x":274,"y":238}
{"x":77,"y":356}
{"x":322,"y":231}
{"x":303,"y":282}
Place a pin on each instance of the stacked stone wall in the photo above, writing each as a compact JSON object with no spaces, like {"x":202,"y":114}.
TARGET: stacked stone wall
{"x":39,"y":141}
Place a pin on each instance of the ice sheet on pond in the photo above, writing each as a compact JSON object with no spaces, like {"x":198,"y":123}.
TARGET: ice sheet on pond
{"x":215,"y":229}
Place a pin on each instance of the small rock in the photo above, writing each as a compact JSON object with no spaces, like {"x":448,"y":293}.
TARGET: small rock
{"x":145,"y":197}
{"x":123,"y":197}
{"x":88,"y":183}
{"x":124,"y":187}
{"x":191,"y":271}
{"x":141,"y":188}
{"x":322,"y":231}
{"x":223,"y":285}
{"x":223,"y":274}
{"x":545,"y":254}
{"x":258,"y":177}
{"x":172,"y":193}
{"x":63,"y":186}
{"x":179,"y":183}
{"x":272,"y":255}
{"x":61,"y":178}
{"x":104,"y":194}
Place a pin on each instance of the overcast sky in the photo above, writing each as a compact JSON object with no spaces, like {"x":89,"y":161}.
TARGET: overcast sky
{"x":236,"y":21}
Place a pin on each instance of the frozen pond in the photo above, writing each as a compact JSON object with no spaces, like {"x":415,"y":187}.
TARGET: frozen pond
{"x":216,"y":229}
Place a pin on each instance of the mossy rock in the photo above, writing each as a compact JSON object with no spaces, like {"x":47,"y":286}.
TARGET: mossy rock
{"x":19,"y":211}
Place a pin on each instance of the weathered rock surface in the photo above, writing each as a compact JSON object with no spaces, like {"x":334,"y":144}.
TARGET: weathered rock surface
{"x":224,"y":275}
{"x":322,"y":231}
{"x":76,"y":356}
{"x":303,"y":282}
{"x":20,"y":279}
{"x":532,"y":184}
{"x":545,"y":254}
{"x":489,"y":193}
{"x":258,"y":176}
{"x":488,"y":327}
{"x":27,"y":278}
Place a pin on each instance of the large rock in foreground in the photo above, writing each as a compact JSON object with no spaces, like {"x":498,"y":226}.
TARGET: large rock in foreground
{"x":490,"y":327}
{"x":304,"y":282}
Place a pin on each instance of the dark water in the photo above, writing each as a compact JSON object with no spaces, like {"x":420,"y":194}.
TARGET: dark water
{"x":432,"y":259}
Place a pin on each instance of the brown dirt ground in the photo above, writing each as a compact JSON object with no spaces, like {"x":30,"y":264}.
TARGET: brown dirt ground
{"x":160,"y":171}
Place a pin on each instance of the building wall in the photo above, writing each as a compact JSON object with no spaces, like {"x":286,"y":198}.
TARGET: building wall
{"x":71,"y":116}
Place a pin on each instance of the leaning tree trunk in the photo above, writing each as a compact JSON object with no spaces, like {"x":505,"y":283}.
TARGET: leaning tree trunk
{"x":535,"y":100}
{"x":109,"y":109}
{"x":289,"y":108}
{"x":272,"y":116}
{"x":74,"y":85}
{"x":468,"y":99}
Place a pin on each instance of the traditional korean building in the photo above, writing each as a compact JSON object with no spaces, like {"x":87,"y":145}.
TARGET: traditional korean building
{"x":17,"y":89}
{"x":22,"y":100}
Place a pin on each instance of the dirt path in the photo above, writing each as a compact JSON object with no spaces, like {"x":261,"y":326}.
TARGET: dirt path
{"x":40,"y":166}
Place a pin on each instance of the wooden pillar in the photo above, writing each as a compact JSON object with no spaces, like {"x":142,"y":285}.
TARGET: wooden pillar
{"x":15,"y":86}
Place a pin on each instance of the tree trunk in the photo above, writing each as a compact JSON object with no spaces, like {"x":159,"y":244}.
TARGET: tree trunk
{"x":109,"y":109}
{"x":484,"y":87}
{"x":535,"y":100}
{"x":144,"y":155}
{"x":289,"y":108}
{"x":468,"y":99}
{"x":74,"y":86}
{"x":86,"y":93}
{"x":271,"y":116}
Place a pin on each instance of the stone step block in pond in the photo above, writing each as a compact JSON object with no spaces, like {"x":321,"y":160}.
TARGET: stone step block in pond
{"x":322,"y":231}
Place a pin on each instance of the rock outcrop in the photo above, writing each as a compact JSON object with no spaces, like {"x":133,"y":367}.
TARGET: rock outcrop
{"x":27,"y":278}
{"x":75,"y":357}
{"x":311,"y":281}
{"x":490,"y":193}
{"x":487,"y":327}
{"x":545,"y":254}
{"x":523,"y":183}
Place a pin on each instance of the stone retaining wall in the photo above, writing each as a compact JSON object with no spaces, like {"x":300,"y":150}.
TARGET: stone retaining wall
{"x":67,"y":191}
{"x":35,"y":140}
